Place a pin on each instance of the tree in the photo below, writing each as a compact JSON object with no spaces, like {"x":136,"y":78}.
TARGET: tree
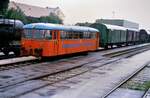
{"x":16,"y":14}
{"x":83,"y":24}
{"x":51,"y":19}
{"x":3,"y":6}
{"x":32,"y":19}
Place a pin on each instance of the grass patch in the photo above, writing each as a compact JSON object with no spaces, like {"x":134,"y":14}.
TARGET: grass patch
{"x":137,"y":86}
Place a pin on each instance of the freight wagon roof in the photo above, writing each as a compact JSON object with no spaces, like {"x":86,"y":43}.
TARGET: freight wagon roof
{"x":49,"y":26}
{"x":114,"y":27}
{"x":132,"y":29}
{"x":148,"y":32}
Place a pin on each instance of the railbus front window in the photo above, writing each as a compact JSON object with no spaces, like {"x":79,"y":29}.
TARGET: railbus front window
{"x":28,"y":33}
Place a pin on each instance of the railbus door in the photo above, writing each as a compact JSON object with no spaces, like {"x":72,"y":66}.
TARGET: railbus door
{"x":55,"y":42}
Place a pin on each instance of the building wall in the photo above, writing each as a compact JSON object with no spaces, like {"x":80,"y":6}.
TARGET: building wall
{"x":130,"y":24}
{"x":119,"y":22}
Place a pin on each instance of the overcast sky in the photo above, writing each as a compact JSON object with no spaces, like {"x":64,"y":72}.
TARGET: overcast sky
{"x":90,"y":10}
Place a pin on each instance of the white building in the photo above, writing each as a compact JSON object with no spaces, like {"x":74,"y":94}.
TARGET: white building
{"x":35,"y":11}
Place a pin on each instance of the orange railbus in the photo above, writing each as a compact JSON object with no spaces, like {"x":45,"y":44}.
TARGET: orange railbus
{"x":47,"y":40}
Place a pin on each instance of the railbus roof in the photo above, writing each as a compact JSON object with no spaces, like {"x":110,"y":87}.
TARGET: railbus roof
{"x":49,"y":26}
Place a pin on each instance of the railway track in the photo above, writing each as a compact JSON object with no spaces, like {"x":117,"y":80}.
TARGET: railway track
{"x":9,"y":64}
{"x":52,"y":72}
{"x":46,"y":76}
{"x":124,"y":81}
{"x":13,"y":63}
{"x":127,"y":51}
{"x":135,"y":85}
{"x":147,"y":94}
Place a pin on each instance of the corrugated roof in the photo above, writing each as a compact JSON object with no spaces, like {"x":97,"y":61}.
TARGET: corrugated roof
{"x":133,"y":29}
{"x":114,"y":27}
{"x":148,"y":32}
{"x":49,"y":26}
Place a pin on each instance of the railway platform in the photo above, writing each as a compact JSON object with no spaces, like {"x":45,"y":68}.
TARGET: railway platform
{"x":16,"y":60}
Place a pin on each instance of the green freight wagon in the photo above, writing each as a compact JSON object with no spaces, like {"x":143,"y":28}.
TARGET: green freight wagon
{"x":133,"y":36}
{"x":144,"y":36}
{"x":110,"y":34}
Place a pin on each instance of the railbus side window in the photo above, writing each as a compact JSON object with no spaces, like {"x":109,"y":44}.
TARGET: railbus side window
{"x":74,"y":35}
{"x":77,"y":35}
{"x":48,"y":34}
{"x":70,"y":35}
{"x":63,"y":35}
{"x":66,"y":35}
{"x":90,"y":35}
{"x":93,"y":35}
{"x":86,"y":35}
{"x":81,"y":35}
{"x":38,"y":34}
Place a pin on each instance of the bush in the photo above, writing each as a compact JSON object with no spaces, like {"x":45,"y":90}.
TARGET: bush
{"x":51,"y":19}
{"x":3,"y":6}
{"x":16,"y":14}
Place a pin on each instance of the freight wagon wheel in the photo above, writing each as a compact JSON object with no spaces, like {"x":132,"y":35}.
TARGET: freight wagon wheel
{"x":17,"y":53}
{"x":6,"y":53}
{"x":106,"y":47}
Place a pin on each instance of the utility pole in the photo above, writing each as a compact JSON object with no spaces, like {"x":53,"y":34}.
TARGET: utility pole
{"x":113,"y":14}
